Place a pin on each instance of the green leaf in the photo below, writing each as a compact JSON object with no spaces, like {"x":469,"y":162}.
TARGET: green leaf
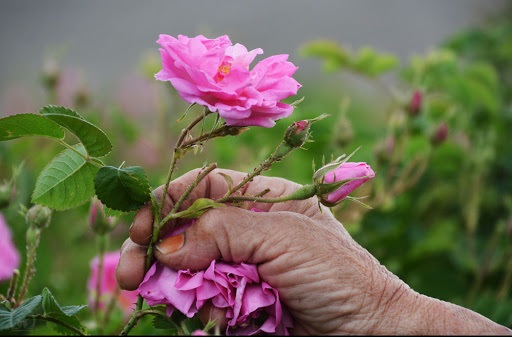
{"x":66,"y":182}
{"x":94,"y":140}
{"x":122,"y":189}
{"x":72,"y":310}
{"x":333,"y":54}
{"x":16,"y":126}
{"x":371,"y":63}
{"x":164,"y":322}
{"x":10,"y":319}
{"x":52,"y":310}
{"x":112,"y":212}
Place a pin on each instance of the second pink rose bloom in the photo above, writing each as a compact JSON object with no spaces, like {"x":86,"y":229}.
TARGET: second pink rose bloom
{"x":215,"y":73}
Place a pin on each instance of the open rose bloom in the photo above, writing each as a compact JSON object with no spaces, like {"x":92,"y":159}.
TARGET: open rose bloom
{"x":9,"y":256}
{"x":215,"y":73}
{"x":108,"y":284}
{"x":251,"y":305}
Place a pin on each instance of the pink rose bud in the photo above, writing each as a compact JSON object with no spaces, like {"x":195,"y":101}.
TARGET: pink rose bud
{"x":440,"y":134}
{"x":98,"y":221}
{"x":9,"y":256}
{"x":297,"y":133}
{"x":415,"y":103}
{"x":335,"y":185}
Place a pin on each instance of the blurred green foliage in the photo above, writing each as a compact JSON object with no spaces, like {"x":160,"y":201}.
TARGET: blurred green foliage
{"x":441,"y":198}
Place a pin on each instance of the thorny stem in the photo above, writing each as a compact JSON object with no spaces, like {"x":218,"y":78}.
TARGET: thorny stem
{"x":185,"y":194}
{"x":110,"y":307}
{"x":30,"y":269}
{"x":175,"y":154}
{"x":149,"y":259}
{"x":302,"y":193}
{"x":280,"y":152}
{"x":11,"y":292}
{"x":218,"y":132}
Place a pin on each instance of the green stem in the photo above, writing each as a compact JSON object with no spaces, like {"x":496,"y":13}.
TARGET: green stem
{"x":507,"y":280}
{"x":173,"y":214}
{"x":102,"y":245}
{"x":30,"y":269}
{"x":134,"y":319}
{"x":56,"y":321}
{"x":149,"y":259}
{"x":221,"y":131}
{"x":279,"y":153}
{"x":305,"y":192}
{"x":110,"y":308}
{"x":176,"y":154}
{"x":11,"y":292}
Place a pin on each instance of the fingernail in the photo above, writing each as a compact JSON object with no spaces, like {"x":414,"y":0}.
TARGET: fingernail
{"x":171,"y":244}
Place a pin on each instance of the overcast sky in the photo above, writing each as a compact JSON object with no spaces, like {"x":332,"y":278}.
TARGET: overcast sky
{"x":107,"y":38}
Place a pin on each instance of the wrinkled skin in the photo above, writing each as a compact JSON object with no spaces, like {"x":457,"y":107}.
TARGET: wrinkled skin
{"x":329,"y":283}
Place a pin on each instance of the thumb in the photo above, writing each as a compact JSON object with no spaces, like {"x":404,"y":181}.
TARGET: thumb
{"x":234,"y":235}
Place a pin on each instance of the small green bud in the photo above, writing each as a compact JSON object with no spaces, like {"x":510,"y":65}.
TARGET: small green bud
{"x":6,"y":194}
{"x":38,"y":216}
{"x":32,"y":236}
{"x":51,"y":74}
{"x":344,"y":133}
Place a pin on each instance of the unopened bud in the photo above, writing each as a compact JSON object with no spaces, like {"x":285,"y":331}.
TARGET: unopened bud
{"x":440,"y":134}
{"x":335,"y":181}
{"x":297,"y":133}
{"x":383,"y":151}
{"x":414,"y":106}
{"x":82,"y":97}
{"x":51,"y":74}
{"x":6,"y":194}
{"x":38,"y":216}
{"x":344,"y":133}
{"x":98,"y":221}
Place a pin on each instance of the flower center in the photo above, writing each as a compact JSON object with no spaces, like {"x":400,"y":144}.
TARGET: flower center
{"x":223,"y":71}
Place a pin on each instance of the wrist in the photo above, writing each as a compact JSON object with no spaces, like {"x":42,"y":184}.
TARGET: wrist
{"x":402,"y":311}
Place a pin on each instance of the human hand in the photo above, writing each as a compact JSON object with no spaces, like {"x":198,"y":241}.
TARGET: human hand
{"x":329,"y":283}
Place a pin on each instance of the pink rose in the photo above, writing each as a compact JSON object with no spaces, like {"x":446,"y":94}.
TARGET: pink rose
{"x":350,"y":175}
{"x":108,"y":284}
{"x":214,"y":73}
{"x":9,"y":258}
{"x":251,"y":305}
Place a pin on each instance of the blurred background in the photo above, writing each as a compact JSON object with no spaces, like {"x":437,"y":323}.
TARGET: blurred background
{"x":424,"y":87}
